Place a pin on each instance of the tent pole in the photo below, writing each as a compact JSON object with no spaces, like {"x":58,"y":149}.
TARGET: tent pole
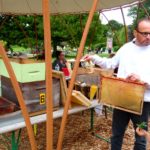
{"x":94,"y":31}
{"x":125,"y":26}
{"x":48,"y":62}
{"x":19,"y":97}
{"x":79,"y":55}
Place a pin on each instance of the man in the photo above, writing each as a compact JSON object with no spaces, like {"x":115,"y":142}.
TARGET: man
{"x":133,"y":62}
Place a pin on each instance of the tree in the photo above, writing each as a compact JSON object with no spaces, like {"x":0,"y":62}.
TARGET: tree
{"x":27,"y":31}
{"x":139,"y":12}
{"x":22,"y":31}
{"x":115,"y":25}
{"x":118,"y":33}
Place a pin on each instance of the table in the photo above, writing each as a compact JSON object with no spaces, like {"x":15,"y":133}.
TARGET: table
{"x":16,"y":122}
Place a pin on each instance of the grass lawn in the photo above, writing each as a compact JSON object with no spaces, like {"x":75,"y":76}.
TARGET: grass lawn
{"x":71,"y":55}
{"x":17,"y":48}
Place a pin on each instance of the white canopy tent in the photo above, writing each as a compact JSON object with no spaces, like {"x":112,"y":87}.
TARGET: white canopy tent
{"x":45,"y":8}
{"x":57,"y":6}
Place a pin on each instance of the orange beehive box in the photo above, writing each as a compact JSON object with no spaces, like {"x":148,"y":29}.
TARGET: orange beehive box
{"x":122,"y":94}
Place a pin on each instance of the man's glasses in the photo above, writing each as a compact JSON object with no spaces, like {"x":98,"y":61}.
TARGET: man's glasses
{"x":145,"y":34}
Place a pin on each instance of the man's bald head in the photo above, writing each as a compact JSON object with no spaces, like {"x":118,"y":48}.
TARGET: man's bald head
{"x":147,"y":19}
{"x":142,"y":32}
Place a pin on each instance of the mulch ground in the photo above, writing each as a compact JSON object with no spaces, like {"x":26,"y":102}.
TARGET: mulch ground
{"x":77,"y":134}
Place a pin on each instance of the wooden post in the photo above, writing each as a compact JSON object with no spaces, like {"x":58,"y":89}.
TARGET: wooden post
{"x":125,"y":26}
{"x":69,"y":92}
{"x":19,"y":97}
{"x":48,"y":61}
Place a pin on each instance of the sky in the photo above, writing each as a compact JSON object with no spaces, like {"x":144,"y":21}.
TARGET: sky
{"x":116,"y":15}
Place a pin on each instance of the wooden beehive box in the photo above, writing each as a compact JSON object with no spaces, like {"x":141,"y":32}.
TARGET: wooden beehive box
{"x":32,"y":92}
{"x":26,"y":70}
{"x":122,"y":94}
{"x":90,"y":76}
{"x":85,"y":90}
{"x":31,"y":78}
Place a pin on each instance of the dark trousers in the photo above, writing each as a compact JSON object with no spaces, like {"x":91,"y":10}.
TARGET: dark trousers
{"x":120,"y":123}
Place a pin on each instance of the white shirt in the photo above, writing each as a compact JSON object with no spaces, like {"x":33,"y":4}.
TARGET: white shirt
{"x":130,"y":58}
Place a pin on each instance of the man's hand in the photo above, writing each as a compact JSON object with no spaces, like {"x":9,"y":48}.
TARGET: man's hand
{"x":133,"y":77}
{"x":141,"y":132}
{"x":87,"y":58}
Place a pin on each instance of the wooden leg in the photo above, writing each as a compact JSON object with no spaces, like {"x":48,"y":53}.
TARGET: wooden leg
{"x":105,"y":110}
{"x":35,"y":129}
{"x":15,"y":141}
{"x":79,"y":55}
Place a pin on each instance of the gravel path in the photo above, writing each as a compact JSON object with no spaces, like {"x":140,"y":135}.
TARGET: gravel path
{"x":77,"y":134}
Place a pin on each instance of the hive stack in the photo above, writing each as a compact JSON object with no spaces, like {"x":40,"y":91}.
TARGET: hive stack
{"x":31,"y":78}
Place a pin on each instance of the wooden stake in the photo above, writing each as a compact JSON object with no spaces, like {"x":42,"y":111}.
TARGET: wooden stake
{"x":19,"y":97}
{"x":48,"y":60}
{"x":125,"y":26}
{"x":79,"y":55}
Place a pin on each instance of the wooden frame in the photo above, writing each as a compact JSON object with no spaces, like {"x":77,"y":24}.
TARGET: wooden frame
{"x":122,"y":94}
{"x":96,"y":71}
{"x":63,"y":85}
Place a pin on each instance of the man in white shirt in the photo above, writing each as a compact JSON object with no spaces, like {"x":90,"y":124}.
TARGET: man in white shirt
{"x":133,"y":62}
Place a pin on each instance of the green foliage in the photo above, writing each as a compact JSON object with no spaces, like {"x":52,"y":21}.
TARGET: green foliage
{"x":116,"y":48}
{"x":104,"y":55}
{"x":17,"y":48}
{"x":121,"y":36}
{"x":115,"y":25}
{"x":20,"y":30}
{"x":142,"y":125}
{"x":27,"y":31}
{"x":118,"y":34}
{"x":134,"y":12}
{"x":66,"y":30}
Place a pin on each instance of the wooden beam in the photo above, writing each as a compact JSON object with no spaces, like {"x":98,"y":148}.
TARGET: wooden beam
{"x":48,"y":61}
{"x":20,"y":97}
{"x":71,"y":85}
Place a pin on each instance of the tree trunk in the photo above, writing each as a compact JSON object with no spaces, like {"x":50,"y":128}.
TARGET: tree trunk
{"x":54,"y":48}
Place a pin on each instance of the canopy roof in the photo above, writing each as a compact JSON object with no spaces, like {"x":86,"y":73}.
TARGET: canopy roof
{"x":57,"y":6}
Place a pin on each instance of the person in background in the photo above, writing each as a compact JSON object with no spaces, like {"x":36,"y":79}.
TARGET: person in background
{"x":61,"y":64}
{"x":132,"y":60}
{"x":60,"y":61}
{"x":109,"y":50}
